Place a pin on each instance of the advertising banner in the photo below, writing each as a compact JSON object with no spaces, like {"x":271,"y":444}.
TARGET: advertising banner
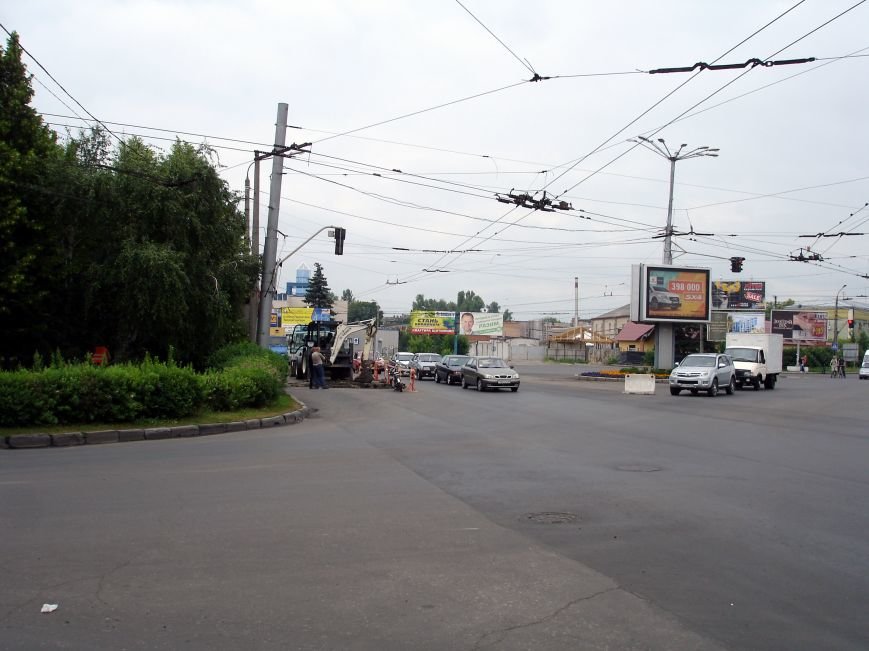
{"x":676,"y":294}
{"x":738,"y":294}
{"x":481,"y":323}
{"x":752,"y":322}
{"x":290,"y":317}
{"x":803,"y":327}
{"x":424,"y":322}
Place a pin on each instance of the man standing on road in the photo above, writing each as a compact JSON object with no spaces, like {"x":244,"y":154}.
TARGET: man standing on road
{"x":842,"y":366}
{"x":317,"y":368}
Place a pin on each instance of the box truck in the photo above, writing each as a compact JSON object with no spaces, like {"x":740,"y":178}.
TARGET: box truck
{"x":757,"y":358}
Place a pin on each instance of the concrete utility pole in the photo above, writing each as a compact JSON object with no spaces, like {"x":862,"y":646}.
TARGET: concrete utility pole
{"x":664,"y":334}
{"x":267,"y":286}
{"x":836,"y":321}
{"x":576,"y":302}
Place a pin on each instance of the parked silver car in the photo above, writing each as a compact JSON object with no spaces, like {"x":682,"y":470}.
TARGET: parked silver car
{"x":489,"y":373}
{"x":703,"y":372}
{"x":424,"y":364}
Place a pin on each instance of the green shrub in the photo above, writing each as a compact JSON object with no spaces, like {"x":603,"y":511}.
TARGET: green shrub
{"x":245,"y":376}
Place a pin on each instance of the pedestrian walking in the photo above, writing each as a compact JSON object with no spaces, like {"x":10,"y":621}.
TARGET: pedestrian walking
{"x":834,"y":367}
{"x":318,"y":369}
{"x":842,"y":367}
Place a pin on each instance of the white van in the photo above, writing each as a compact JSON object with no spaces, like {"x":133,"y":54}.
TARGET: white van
{"x":864,"y":367}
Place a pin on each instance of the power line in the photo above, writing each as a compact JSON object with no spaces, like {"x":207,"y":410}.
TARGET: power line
{"x":524,"y":62}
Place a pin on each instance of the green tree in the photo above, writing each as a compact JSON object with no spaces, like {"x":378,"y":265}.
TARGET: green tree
{"x":508,"y":315}
{"x":27,"y":146}
{"x":319,"y":294}
{"x":362,"y":310}
{"x":347,"y":295}
{"x":469,"y":302}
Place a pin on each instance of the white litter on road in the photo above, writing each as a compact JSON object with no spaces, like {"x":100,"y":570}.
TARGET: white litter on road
{"x":48,"y":608}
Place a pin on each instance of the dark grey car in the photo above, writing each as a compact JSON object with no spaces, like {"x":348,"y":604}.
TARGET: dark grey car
{"x":424,"y":364}
{"x":449,"y":369}
{"x":489,"y":373}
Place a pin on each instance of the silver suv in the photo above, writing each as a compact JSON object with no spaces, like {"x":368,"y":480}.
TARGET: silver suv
{"x":424,"y":364}
{"x":703,"y":372}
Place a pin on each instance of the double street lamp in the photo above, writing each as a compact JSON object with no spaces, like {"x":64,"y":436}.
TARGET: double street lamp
{"x":660,"y":147}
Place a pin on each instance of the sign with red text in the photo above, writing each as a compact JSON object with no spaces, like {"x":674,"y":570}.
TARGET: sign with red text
{"x":675,"y":294}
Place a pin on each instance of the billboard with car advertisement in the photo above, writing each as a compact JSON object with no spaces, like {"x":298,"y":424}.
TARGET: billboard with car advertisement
{"x":426,"y":322}
{"x":675,"y":294}
{"x":751,"y":322}
{"x":738,"y":294}
{"x":802,"y":327}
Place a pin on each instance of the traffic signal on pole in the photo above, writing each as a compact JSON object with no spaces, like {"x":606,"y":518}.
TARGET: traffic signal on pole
{"x":340,"y":233}
{"x":850,"y":324}
{"x":736,"y":264}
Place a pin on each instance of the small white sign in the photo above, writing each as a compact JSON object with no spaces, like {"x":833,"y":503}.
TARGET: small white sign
{"x":355,"y":341}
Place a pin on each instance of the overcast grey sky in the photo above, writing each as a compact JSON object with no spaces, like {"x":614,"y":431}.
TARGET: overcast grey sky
{"x":794,"y":144}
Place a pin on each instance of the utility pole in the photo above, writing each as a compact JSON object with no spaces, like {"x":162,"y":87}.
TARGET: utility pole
{"x":254,"y":229}
{"x":576,"y":302}
{"x":664,"y":333}
{"x":270,"y":250}
{"x":836,"y":321}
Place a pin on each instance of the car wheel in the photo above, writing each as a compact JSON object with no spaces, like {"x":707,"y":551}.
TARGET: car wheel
{"x":653,"y":303}
{"x":464,"y":383}
{"x":731,"y":386}
{"x":713,"y":390}
{"x":755,"y":382}
{"x":514,"y":389}
{"x":769,"y":383}
{"x":674,"y":391}
{"x":437,"y":379}
{"x":479,"y":384}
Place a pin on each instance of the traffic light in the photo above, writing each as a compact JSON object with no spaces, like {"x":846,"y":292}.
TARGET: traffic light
{"x":736,"y":264}
{"x":340,"y":233}
{"x":850,"y":324}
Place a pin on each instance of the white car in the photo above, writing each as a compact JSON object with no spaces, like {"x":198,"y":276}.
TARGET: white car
{"x":703,"y":372}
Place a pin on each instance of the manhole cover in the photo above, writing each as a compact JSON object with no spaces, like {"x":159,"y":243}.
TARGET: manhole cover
{"x":638,"y":467}
{"x":550,"y":517}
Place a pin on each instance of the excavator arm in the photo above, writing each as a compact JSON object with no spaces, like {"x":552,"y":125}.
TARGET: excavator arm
{"x":347,"y":330}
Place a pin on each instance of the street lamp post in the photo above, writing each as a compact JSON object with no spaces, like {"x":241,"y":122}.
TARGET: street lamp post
{"x":664,"y":344}
{"x":660,"y":148}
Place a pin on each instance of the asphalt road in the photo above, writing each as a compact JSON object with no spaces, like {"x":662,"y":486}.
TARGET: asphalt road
{"x":565,"y":516}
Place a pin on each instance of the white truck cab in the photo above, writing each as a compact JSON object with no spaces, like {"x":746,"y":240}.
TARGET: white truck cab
{"x":757,"y":358}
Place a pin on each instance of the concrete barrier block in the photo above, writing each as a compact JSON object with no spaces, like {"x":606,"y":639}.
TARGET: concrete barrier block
{"x":158,"y":433}
{"x":253,"y":423}
{"x":212,"y":428}
{"x":125,"y":435}
{"x":67,"y":439}
{"x":103,"y":436}
{"x":22,"y":441}
{"x":236,"y":426}
{"x":273,"y":421}
{"x":640,"y":383}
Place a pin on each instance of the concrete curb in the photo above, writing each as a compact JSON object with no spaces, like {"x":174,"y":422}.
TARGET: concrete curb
{"x":67,"y":439}
{"x":585,"y":378}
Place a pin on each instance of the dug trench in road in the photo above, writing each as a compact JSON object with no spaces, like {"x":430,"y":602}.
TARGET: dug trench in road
{"x":694,"y":503}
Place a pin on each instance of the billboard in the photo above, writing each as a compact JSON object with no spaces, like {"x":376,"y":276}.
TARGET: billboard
{"x":803,"y":327}
{"x":293,"y":316}
{"x":426,"y":322}
{"x":738,"y":294}
{"x":752,"y":322}
{"x":481,"y":323}
{"x":677,"y":294}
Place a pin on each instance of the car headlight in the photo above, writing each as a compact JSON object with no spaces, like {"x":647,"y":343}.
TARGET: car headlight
{"x":487,"y":376}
